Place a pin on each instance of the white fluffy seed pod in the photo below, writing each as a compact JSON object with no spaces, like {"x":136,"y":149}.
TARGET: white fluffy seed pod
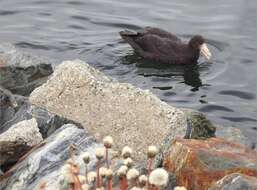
{"x":128,"y":162}
{"x":82,"y":179}
{"x":159,"y":177}
{"x":122,"y":171}
{"x":102,"y":171}
{"x":67,"y":174}
{"x":109,"y":173}
{"x":108,"y":141}
{"x":132,"y":174}
{"x":180,"y":188}
{"x":126,"y":152}
{"x":135,"y":188}
{"x":142,"y":180}
{"x":91,"y":176}
{"x":86,"y":157}
{"x":100,"y":188}
{"x":99,"y":153}
{"x":85,"y":187}
{"x":152,"y":151}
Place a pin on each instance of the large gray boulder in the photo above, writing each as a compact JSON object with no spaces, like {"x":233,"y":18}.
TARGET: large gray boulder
{"x":17,"y":140}
{"x":104,"y":106}
{"x":44,"y":163}
{"x":21,"y":72}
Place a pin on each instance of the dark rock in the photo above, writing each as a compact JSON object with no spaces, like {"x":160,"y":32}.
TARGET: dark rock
{"x":44,"y":162}
{"x":197,"y":164}
{"x":16,"y":108}
{"x":21,"y":72}
{"x":236,"y":181}
{"x":17,"y":140}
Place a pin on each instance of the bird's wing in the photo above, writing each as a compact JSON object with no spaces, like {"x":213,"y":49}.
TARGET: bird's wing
{"x":161,"y":33}
{"x":156,"y":45}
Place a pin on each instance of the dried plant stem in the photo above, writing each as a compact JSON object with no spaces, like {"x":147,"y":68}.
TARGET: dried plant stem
{"x":110,"y":184}
{"x":150,"y":161}
{"x":86,"y":172}
{"x":97,"y":174}
{"x":74,"y":172}
{"x":42,"y":186}
{"x":107,"y":158}
{"x":123,"y":183}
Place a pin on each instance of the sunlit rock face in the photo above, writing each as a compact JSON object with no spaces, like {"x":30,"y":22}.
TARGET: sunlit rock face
{"x":104,"y":106}
{"x":198,"y":164}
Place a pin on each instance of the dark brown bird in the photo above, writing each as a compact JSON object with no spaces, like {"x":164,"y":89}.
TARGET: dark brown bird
{"x":162,"y":46}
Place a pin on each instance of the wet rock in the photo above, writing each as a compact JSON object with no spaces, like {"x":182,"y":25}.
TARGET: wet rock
{"x":197,"y":164}
{"x":236,"y":181}
{"x":43,"y":164}
{"x":21,"y":72}
{"x":47,"y":122}
{"x":17,"y":140}
{"x":15,"y":108}
{"x":233,"y":134}
{"x":132,"y":116}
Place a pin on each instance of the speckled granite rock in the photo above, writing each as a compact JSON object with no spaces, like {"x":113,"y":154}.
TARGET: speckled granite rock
{"x":21,"y":72}
{"x":236,"y":181}
{"x":43,"y":164}
{"x":17,"y":140}
{"x":132,"y":116}
{"x":198,"y":164}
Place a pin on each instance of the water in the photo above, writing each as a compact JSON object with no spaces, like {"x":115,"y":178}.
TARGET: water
{"x":88,"y":29}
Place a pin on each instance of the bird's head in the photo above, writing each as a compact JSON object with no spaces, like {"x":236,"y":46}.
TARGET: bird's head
{"x":197,"y":42}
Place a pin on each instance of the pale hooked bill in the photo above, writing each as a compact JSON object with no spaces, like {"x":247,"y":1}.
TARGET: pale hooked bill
{"x":204,"y":50}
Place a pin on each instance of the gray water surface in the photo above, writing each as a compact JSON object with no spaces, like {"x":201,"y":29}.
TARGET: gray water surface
{"x":88,"y":29}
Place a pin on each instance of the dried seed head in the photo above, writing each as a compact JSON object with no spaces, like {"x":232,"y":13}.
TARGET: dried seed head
{"x":132,"y":174}
{"x":135,"y":188}
{"x":108,"y":141}
{"x":86,"y":157}
{"x":66,"y":173}
{"x":99,"y":153}
{"x":126,"y":152}
{"x":143,"y":180}
{"x":109,"y":173}
{"x":82,"y":179}
{"x":159,"y":177}
{"x":102,"y":171}
{"x":91,"y":176}
{"x":180,"y":188}
{"x":122,"y":171}
{"x":128,"y":162}
{"x":152,"y":151}
{"x":85,"y":187}
{"x":100,"y":188}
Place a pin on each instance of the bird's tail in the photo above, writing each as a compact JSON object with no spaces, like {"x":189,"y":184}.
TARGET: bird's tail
{"x":125,"y":33}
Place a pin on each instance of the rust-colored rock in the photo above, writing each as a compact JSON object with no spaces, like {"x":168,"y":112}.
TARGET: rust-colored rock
{"x":200,"y":163}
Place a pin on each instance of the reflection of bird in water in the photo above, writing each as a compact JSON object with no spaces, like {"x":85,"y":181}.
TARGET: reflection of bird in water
{"x":161,"y":46}
{"x":146,"y":68}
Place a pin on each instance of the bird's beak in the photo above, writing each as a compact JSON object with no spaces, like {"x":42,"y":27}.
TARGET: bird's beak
{"x":204,"y":50}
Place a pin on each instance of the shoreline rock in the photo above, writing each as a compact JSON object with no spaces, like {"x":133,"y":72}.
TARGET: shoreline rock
{"x":132,"y":116}
{"x":198,"y":164}
{"x":77,"y":93}
{"x":17,"y":140}
{"x":21,"y":72}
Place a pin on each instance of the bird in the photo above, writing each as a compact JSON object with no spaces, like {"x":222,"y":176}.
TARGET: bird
{"x":164,"y":47}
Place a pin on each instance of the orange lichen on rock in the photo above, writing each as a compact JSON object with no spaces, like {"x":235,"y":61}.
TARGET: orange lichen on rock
{"x":200,"y":163}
